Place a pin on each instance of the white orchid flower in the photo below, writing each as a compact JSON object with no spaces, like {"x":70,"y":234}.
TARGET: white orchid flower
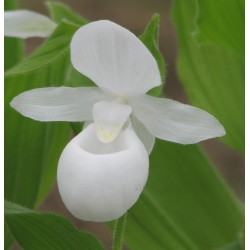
{"x":26,"y":24}
{"x":103,"y":170}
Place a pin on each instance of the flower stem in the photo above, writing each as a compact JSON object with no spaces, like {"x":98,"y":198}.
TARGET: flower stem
{"x":118,"y":233}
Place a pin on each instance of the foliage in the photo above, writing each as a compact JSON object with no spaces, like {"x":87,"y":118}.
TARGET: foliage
{"x":38,"y":231}
{"x":221,"y":23}
{"x":12,"y":46}
{"x":32,"y":149}
{"x":150,"y":38}
{"x":185,"y":204}
{"x":213,"y":74}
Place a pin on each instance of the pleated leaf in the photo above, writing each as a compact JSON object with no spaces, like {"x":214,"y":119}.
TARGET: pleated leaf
{"x":221,"y":22}
{"x":13,"y":53}
{"x":185,"y":204}
{"x":32,"y":148}
{"x":39,"y":231}
{"x":59,"y":11}
{"x":150,"y":38}
{"x":13,"y":47}
{"x":212,"y":75}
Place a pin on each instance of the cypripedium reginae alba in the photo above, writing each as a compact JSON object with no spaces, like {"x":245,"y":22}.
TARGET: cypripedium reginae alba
{"x":103,"y":170}
{"x":26,"y":23}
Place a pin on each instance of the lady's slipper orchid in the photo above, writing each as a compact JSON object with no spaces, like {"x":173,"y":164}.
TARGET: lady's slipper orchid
{"x":26,"y":23}
{"x":102,"y":171}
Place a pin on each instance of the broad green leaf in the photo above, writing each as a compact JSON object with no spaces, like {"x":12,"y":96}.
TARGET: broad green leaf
{"x":233,"y":246}
{"x":56,"y":137}
{"x":13,"y":47}
{"x":221,"y":22}
{"x":185,"y":204}
{"x":13,"y":52}
{"x":55,"y":48}
{"x":8,"y":238}
{"x":212,"y":76}
{"x":32,"y":148}
{"x":10,"y":4}
{"x":241,"y":238}
{"x":39,"y":231}
{"x":150,"y":39}
{"x":59,"y":11}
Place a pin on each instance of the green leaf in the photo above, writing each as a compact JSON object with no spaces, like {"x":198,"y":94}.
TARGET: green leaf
{"x":8,"y":238}
{"x":212,"y":76}
{"x":13,"y":52}
{"x":150,"y":40}
{"x":10,"y":4}
{"x":32,"y":148}
{"x":185,"y":204}
{"x":241,"y":238}
{"x":221,"y":22}
{"x":76,"y":79}
{"x":39,"y":231}
{"x":13,"y":47}
{"x":232,"y":246}
{"x":59,"y":11}
{"x":53,"y":50}
{"x":56,"y":137}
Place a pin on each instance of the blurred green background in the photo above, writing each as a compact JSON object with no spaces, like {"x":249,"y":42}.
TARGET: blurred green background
{"x":134,"y":15}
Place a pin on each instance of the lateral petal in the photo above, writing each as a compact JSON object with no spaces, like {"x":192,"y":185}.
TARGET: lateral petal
{"x":176,"y":122}
{"x":58,"y":103}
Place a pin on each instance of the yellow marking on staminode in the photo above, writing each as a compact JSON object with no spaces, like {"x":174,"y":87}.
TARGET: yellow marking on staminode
{"x":108,"y":136}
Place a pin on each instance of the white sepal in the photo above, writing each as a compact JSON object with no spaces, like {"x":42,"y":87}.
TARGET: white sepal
{"x":173,"y":121}
{"x":58,"y":103}
{"x":114,"y":58}
{"x":109,"y":118}
{"x":25,"y":24}
{"x":100,"y":182}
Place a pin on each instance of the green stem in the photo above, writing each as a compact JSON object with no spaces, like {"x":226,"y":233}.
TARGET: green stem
{"x":118,"y":233}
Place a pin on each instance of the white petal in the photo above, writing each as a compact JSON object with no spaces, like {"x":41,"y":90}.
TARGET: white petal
{"x":144,"y":135}
{"x":109,"y":118}
{"x":176,"y":122}
{"x":114,"y":58}
{"x":58,"y":103}
{"x":25,"y":24}
{"x":100,"y":183}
